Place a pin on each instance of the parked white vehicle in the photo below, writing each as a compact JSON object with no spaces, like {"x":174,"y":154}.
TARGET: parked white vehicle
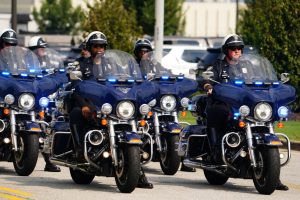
{"x":180,"y":59}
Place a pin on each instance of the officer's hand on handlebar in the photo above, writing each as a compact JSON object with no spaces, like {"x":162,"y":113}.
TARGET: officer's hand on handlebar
{"x":208,"y":88}
{"x":86,"y":112}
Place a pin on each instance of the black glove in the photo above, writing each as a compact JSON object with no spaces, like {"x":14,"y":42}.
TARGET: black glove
{"x":208,"y":88}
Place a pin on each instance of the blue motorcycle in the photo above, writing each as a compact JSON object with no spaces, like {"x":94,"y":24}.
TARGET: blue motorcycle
{"x":163,"y":125}
{"x":23,"y":92}
{"x":250,"y":146}
{"x":111,"y":143}
{"x":53,"y":68}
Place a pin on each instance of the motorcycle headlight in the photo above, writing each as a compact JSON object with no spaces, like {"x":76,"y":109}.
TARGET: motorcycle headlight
{"x":106,"y":109}
{"x":263,"y":111}
{"x":9,"y":99}
{"x":168,"y":103}
{"x":44,"y":102}
{"x":26,"y":101}
{"x":184,"y":102}
{"x":283,"y":112}
{"x":144,"y":109}
{"x":125,"y":110}
{"x":152,"y":103}
{"x":53,"y":95}
{"x":244,"y":111}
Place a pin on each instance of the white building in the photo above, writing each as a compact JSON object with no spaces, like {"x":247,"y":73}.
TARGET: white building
{"x":210,"y":17}
{"x":203,"y":17}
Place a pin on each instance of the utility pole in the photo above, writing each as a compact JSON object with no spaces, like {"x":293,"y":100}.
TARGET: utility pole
{"x":159,"y":28}
{"x":237,"y":16}
{"x":14,"y":15}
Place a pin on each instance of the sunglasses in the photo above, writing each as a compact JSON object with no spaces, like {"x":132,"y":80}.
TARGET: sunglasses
{"x":235,"y":48}
{"x":144,"y":51}
{"x":98,"y":46}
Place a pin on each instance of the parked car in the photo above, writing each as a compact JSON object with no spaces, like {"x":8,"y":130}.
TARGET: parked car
{"x":172,"y":40}
{"x":180,"y":59}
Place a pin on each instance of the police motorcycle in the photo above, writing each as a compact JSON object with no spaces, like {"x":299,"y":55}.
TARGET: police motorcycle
{"x":53,"y":68}
{"x":112,"y":145}
{"x":163,"y":125}
{"x":250,"y":147}
{"x":23,"y":92}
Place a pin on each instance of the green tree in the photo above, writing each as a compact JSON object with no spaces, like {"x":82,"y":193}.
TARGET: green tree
{"x":117,"y":23}
{"x":145,"y":15}
{"x":273,"y":26}
{"x":58,"y":16}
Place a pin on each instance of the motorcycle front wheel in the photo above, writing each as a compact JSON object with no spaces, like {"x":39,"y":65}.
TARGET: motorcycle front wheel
{"x":215,"y":178}
{"x":169,"y":159}
{"x":25,"y":158}
{"x":128,"y":169}
{"x":266,"y":174}
{"x":79,"y":177}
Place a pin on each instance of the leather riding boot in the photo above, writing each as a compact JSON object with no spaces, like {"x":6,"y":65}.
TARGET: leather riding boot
{"x":49,"y":167}
{"x":281,"y":186}
{"x":215,"y":141}
{"x":143,"y":182}
{"x":77,"y":143}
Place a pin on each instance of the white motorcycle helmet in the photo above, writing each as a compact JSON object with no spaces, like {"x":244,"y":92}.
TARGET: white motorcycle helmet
{"x":37,"y":42}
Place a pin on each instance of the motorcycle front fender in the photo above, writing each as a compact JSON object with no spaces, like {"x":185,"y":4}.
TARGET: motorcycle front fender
{"x":32,"y":127}
{"x":268,"y":139}
{"x":132,"y":138}
{"x":171,"y":128}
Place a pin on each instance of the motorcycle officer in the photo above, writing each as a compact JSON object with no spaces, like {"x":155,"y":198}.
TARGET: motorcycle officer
{"x":141,"y":47}
{"x":81,"y":114}
{"x":8,"y":37}
{"x":37,"y":44}
{"x":84,"y":53}
{"x":218,"y":112}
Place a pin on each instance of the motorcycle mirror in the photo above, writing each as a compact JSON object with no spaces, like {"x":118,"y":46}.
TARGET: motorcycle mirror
{"x":284,"y":77}
{"x":207,"y":75}
{"x":75,"y":75}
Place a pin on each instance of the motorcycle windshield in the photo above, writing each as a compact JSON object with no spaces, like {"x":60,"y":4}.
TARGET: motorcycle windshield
{"x":116,"y":65}
{"x":150,"y":65}
{"x":19,"y":61}
{"x":49,"y":58}
{"x":251,"y":67}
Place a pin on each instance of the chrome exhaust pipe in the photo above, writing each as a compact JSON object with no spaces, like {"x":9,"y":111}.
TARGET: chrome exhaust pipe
{"x":73,"y":166}
{"x":200,"y":165}
{"x":2,"y":125}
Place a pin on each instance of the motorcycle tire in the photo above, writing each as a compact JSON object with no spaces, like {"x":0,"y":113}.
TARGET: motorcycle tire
{"x":128,"y":170}
{"x":81,"y":178}
{"x":25,"y":158}
{"x":266,"y":175}
{"x":215,"y":178}
{"x":169,"y":158}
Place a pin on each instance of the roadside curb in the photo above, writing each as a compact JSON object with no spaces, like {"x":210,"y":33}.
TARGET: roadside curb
{"x":295,"y":146}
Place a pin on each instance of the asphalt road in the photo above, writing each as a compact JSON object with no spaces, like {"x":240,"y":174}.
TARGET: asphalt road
{"x":184,"y":185}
